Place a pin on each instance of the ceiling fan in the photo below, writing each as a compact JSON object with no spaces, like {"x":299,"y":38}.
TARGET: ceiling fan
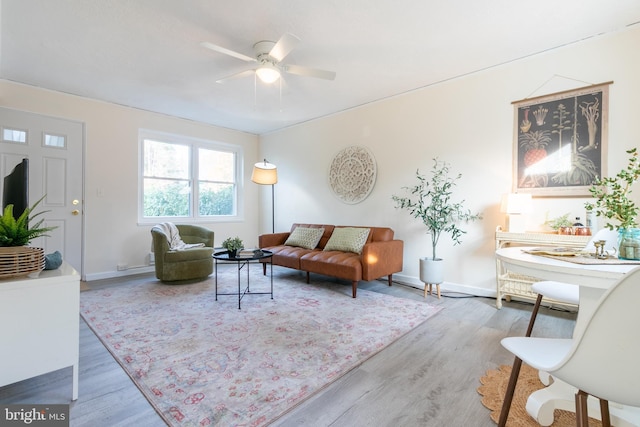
{"x":269,"y":56}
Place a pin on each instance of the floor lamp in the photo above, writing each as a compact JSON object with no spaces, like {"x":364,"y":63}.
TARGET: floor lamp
{"x":265,"y":173}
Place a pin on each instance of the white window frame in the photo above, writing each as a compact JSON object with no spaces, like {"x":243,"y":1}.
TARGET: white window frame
{"x":194,"y":144}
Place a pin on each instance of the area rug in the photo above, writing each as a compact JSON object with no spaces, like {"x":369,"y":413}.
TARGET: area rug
{"x":494,"y":385}
{"x":203,"y":362}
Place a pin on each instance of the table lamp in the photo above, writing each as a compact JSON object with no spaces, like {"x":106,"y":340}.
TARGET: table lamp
{"x":516,"y":206}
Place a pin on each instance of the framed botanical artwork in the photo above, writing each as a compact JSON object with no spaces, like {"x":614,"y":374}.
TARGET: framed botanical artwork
{"x":560,"y":141}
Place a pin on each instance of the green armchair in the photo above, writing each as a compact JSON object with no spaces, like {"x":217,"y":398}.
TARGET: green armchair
{"x":184,"y":264}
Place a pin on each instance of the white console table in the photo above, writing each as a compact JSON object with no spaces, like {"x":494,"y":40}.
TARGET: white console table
{"x":510,"y":284}
{"x":39,"y":325}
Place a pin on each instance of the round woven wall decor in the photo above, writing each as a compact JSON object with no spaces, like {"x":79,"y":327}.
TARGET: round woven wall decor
{"x":352,"y":174}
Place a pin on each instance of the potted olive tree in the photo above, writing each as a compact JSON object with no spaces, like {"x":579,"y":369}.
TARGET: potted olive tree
{"x":431,"y":201}
{"x":613,"y":203}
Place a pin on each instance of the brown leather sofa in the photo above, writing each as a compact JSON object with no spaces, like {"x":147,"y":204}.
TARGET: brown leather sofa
{"x":381,"y":255}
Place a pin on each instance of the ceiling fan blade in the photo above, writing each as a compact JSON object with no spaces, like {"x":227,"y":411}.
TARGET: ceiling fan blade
{"x":284,"y":46}
{"x":245,"y":73}
{"x":310,"y":72}
{"x":226,"y":51}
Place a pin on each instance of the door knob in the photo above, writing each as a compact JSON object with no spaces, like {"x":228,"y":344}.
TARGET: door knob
{"x":75,"y":212}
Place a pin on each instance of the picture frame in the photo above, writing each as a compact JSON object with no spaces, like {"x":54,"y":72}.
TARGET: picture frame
{"x":560,"y":142}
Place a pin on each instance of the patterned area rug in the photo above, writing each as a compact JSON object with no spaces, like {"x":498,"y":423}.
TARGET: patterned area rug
{"x":494,"y":385}
{"x":204,"y":362}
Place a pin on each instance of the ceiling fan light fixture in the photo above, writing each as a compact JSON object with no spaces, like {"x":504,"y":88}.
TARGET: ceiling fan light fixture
{"x":268,"y":73}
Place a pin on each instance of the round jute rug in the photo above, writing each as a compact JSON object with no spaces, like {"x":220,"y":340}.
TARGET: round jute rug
{"x":492,"y":390}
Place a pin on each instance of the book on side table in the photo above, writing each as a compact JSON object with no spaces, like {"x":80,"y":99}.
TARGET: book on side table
{"x":249,"y":253}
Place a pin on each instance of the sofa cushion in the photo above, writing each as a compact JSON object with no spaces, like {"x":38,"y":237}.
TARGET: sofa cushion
{"x":380,"y":234}
{"x":348,"y":239}
{"x":328,"y":229}
{"x":344,"y":265}
{"x":188,"y":254}
{"x":305,"y":237}
{"x":287,"y":256}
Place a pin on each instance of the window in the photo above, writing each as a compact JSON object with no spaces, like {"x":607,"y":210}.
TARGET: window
{"x":14,"y":135}
{"x":51,"y":140}
{"x":188,"y":178}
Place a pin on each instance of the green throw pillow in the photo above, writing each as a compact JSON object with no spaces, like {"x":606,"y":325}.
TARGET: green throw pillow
{"x":305,"y":237}
{"x":348,"y":239}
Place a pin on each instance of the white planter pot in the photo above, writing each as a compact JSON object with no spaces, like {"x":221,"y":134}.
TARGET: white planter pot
{"x":432,"y":271}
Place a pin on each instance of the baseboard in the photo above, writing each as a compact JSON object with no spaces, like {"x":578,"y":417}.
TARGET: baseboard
{"x":446,"y":286}
{"x":112,"y":274}
{"x":401,"y":278}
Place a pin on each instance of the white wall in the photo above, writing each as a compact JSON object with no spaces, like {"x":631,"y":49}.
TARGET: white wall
{"x":112,"y":235}
{"x":466,"y":121}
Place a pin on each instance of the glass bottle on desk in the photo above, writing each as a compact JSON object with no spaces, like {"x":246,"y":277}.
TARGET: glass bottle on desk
{"x":629,"y":239}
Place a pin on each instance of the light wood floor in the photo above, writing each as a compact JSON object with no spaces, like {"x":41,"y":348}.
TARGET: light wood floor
{"x":428,"y":377}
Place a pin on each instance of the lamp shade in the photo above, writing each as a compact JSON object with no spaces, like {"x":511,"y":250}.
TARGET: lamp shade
{"x":516,"y":203}
{"x":264,"y":173}
{"x":268,"y":73}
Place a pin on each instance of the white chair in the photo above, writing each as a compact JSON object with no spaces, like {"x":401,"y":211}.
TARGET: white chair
{"x":602,"y":359}
{"x":557,"y":291}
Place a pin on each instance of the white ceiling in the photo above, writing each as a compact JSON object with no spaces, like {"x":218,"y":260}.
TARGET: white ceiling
{"x":146,"y":53}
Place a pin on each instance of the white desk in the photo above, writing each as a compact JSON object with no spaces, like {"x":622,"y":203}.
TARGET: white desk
{"x":39,"y":325}
{"x":509,"y":283}
{"x":594,"y":280}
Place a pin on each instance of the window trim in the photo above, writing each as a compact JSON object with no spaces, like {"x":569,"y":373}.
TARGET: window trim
{"x":194,"y":144}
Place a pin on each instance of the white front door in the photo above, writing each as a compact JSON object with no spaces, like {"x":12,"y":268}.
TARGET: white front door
{"x":54,"y":148}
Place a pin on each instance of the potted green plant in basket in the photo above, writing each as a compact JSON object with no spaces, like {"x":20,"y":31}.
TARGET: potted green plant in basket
{"x":17,"y":232}
{"x":431,"y":201}
{"x":233,"y":245}
{"x":15,"y":235}
{"x":612,"y":202}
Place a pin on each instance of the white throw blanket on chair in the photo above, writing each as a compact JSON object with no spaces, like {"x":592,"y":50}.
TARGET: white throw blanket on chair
{"x":173,"y":237}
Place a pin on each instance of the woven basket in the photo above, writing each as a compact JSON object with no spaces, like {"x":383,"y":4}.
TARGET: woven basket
{"x":518,"y":284}
{"x":20,"y":260}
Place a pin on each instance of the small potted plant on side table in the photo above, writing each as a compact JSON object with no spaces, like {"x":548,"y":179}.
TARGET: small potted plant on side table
{"x":561,"y":224}
{"x":233,"y":245}
{"x":612,"y":202}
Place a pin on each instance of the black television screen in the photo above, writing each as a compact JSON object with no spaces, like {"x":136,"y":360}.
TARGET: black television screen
{"x":16,"y":188}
